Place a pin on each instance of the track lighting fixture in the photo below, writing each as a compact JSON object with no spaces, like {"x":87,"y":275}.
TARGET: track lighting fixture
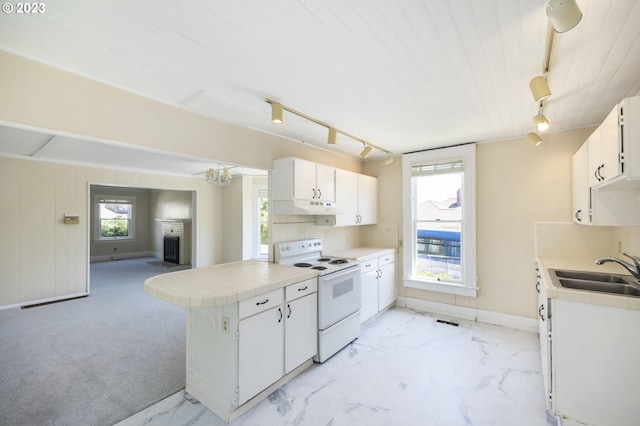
{"x":277,"y":109}
{"x":388,"y":160}
{"x":539,"y":88}
{"x":541,"y":122}
{"x":563,"y":14}
{"x":534,"y":139}
{"x":333,"y":134}
{"x":277,"y":113}
{"x":366,"y":151}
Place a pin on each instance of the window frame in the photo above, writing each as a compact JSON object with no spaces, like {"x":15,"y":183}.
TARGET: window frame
{"x":131,"y":199}
{"x":257,"y":190}
{"x":467,"y":153}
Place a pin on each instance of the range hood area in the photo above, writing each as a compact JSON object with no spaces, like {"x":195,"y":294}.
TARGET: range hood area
{"x":305,"y":207}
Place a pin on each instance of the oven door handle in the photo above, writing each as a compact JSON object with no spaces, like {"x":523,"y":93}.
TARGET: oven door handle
{"x":341,"y":273}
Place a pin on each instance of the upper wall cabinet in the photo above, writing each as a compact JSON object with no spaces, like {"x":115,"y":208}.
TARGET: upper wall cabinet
{"x":606,"y":170}
{"x":614,"y":158}
{"x":356,"y":197}
{"x":302,"y":187}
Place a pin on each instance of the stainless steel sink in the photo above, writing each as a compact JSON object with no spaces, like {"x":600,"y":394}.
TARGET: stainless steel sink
{"x":596,"y":281}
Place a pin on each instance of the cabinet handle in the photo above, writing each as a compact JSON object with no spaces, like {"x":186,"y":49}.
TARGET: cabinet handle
{"x":289,"y":314}
{"x":600,"y":172}
{"x":303,"y":288}
{"x":314,"y":193}
{"x":538,"y":287}
{"x":540,"y":310}
{"x":319,"y":193}
{"x":379,"y":273}
{"x":577,"y":215}
{"x":280,"y":312}
{"x":263,"y":302}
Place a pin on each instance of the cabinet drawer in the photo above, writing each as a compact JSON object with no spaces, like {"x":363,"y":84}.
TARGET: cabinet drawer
{"x":302,"y":288}
{"x":368,"y":265}
{"x":260,"y":303}
{"x":386,"y":259}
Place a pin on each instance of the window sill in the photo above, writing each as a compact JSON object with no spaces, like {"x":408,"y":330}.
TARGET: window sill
{"x":441,"y":287}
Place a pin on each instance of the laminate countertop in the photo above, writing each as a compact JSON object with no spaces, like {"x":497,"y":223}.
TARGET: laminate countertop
{"x":224,"y":283}
{"x":583,"y":296}
{"x":362,"y":253}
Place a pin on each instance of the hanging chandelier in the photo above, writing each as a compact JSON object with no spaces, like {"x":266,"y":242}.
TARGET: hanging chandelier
{"x":219,"y":177}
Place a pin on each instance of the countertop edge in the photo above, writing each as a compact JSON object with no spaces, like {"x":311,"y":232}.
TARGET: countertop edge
{"x":583,"y":296}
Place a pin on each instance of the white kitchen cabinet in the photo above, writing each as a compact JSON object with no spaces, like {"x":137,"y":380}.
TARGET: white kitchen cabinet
{"x":595,"y":373}
{"x":386,"y":281}
{"x":545,"y":337}
{"x":368,"y":289}
{"x":261,"y":346}
{"x":297,"y":179}
{"x":240,"y":350}
{"x":301,"y":323}
{"x":580,"y":186}
{"x":357,"y":199}
{"x":606,"y":170}
{"x":378,"y":289}
{"x":587,"y":355}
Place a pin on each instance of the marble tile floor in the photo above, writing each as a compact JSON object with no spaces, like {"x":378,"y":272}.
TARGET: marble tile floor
{"x":405,"y":369}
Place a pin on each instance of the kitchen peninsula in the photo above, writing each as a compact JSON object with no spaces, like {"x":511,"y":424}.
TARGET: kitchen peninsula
{"x":251,"y":327}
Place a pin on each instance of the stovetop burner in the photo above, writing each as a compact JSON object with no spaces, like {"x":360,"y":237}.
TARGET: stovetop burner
{"x":308,"y":254}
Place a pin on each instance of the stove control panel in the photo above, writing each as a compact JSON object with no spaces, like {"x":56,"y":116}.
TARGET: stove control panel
{"x":297,"y":248}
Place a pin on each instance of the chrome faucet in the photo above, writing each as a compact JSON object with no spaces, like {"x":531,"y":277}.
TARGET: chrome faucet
{"x":634,"y":268}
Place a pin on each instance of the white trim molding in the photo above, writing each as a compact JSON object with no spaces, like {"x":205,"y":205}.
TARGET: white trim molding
{"x":469,"y":314}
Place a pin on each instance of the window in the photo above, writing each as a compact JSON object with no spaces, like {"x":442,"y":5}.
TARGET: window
{"x":439,"y":220}
{"x":114,"y":218}
{"x":261,"y":220}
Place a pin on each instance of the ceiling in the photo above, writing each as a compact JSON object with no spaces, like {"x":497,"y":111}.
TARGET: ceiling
{"x":404,"y":75}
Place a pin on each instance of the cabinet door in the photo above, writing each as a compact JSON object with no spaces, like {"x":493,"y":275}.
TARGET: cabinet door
{"x":346,"y":199}
{"x":610,"y":147}
{"x":386,"y":282}
{"x":301,"y":331}
{"x":304,"y":180}
{"x":543,"y":334}
{"x":261,"y":347}
{"x":580,"y":186}
{"x":367,"y":199}
{"x":594,"y":154}
{"x":325,"y":183}
{"x":369,"y":293}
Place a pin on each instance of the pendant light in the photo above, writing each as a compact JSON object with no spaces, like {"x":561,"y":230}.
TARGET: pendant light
{"x":333,"y":135}
{"x":276,"y":113}
{"x":541,"y":122}
{"x":539,"y":88}
{"x":534,"y":139}
{"x":563,"y":14}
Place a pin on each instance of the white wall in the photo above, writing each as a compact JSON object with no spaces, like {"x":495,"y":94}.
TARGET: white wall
{"x":517,"y":185}
{"x":43,"y":258}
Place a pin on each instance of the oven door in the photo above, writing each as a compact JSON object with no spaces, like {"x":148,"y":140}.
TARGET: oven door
{"x":338,"y":296}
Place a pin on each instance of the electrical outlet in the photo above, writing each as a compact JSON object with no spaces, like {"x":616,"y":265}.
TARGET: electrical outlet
{"x":225,"y":324}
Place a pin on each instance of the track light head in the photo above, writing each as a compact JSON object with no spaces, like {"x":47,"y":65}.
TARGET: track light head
{"x":366,"y":151}
{"x":541,"y":122}
{"x":534,"y":139}
{"x":333,"y":135}
{"x":388,"y":160}
{"x":539,"y":88}
{"x":563,"y":14}
{"x":276,"y":113}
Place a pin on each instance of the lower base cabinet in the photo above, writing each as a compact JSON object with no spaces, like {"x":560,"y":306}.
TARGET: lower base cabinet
{"x":589,"y":364}
{"x":236,"y":351}
{"x":378,"y":285}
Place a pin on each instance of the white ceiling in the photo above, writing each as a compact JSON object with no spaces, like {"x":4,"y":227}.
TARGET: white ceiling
{"x":404,"y":75}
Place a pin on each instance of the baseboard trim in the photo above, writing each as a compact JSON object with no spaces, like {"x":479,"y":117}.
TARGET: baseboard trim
{"x":120,"y":256}
{"x":45,"y":301}
{"x":470,"y":314}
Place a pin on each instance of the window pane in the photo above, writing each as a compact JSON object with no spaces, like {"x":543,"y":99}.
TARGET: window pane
{"x":438,"y":226}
